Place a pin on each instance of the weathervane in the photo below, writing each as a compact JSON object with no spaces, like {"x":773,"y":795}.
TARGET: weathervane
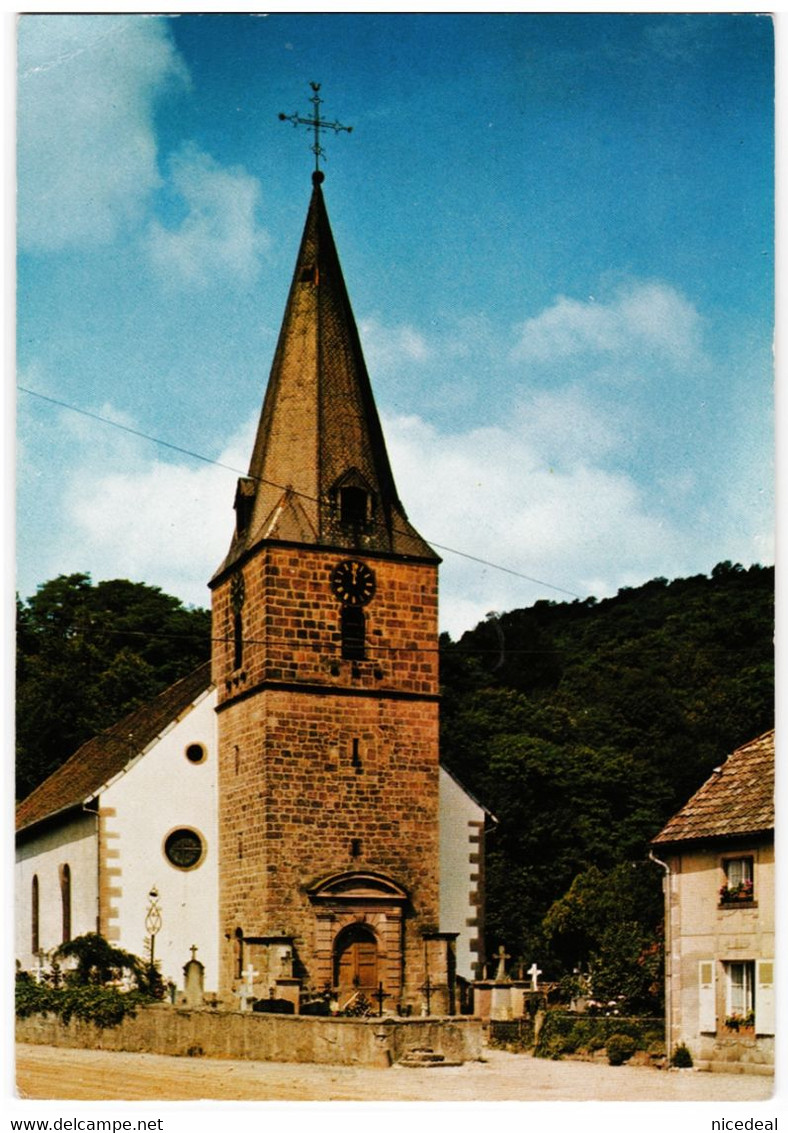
{"x":316,"y":123}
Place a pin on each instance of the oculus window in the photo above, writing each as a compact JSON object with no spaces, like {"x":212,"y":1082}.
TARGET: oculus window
{"x":184,"y":848}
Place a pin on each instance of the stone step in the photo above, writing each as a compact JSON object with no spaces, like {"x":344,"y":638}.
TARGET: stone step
{"x":425,"y":1058}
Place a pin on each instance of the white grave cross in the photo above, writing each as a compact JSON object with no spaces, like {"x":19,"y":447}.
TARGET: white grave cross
{"x":534,"y":973}
{"x":246,"y":991}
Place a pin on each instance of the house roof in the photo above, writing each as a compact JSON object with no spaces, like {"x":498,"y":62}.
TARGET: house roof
{"x":319,"y":430}
{"x":737,"y":799}
{"x":104,"y":756}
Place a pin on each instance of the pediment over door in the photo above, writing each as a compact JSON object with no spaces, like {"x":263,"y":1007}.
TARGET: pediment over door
{"x":355,"y":886}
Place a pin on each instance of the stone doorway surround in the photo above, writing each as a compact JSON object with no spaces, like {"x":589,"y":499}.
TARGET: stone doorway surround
{"x":370,"y":901}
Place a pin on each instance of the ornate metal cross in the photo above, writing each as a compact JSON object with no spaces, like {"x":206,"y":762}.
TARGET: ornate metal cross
{"x":316,"y":123}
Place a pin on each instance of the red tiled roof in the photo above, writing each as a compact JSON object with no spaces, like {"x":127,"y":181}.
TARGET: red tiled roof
{"x":106,"y":755}
{"x":737,"y":799}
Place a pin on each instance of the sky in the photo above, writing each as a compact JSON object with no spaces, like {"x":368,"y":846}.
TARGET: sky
{"x":556,"y":232}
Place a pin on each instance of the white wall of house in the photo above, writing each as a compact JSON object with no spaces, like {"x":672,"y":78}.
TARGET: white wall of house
{"x":73,"y":844}
{"x":160,"y":792}
{"x":706,"y":939}
{"x":461,"y":850}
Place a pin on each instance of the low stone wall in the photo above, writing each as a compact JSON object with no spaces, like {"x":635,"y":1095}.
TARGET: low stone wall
{"x":736,"y":1054}
{"x":163,"y":1029}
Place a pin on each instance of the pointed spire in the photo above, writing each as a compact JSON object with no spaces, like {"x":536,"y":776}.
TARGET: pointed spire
{"x":319,"y":473}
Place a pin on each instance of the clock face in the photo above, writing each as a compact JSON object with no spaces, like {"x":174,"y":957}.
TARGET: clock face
{"x":237,"y":592}
{"x":353,"y":583}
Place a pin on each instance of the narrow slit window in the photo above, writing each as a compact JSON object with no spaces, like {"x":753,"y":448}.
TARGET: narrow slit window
{"x":353,"y":626}
{"x":238,"y":640}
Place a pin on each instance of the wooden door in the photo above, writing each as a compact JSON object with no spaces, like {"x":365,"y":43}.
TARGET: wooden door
{"x":356,"y":963}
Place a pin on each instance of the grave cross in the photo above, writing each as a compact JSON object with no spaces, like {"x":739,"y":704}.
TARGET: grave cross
{"x":426,"y":987}
{"x":316,"y":123}
{"x":503,"y":956}
{"x":534,"y":973}
{"x":380,"y":995}
{"x":246,"y":991}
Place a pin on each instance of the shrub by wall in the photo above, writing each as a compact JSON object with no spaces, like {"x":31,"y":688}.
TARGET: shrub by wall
{"x":564,"y":1032}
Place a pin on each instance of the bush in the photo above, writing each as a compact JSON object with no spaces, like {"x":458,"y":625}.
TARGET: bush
{"x":104,"y":1006}
{"x":620,"y":1048}
{"x":681,"y":1057}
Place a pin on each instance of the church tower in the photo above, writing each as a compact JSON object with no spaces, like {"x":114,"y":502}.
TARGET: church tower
{"x":325,"y":658}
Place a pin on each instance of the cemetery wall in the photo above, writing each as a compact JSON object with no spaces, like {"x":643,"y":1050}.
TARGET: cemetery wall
{"x":162,"y":1029}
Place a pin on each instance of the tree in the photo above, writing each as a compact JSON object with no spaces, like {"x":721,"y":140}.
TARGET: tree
{"x":609,"y":925}
{"x":86,"y":655}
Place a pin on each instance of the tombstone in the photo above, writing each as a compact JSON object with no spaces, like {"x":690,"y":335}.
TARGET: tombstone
{"x":534,"y":973}
{"x":193,"y":980}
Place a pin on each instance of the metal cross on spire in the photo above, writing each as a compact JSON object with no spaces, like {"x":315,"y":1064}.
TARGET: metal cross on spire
{"x":316,"y":123}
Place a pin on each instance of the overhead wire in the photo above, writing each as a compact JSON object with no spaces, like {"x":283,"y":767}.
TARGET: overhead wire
{"x":280,"y":487}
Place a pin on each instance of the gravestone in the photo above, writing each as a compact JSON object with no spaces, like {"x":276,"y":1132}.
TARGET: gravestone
{"x":194,"y":980}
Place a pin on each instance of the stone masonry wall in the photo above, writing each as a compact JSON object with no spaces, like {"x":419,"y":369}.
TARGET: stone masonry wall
{"x":263,"y":1038}
{"x":338,"y":769}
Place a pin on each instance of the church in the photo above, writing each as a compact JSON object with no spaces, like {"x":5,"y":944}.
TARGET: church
{"x":283,"y":810}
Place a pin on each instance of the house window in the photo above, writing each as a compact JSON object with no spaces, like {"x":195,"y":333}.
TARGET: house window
{"x":739,"y":991}
{"x":738,"y":883}
{"x":34,"y":927}
{"x":353,"y":626}
{"x":65,"y":902}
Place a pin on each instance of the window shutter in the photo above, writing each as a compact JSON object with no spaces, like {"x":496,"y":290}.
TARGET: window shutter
{"x":764,"y":997}
{"x":707,"y":1013}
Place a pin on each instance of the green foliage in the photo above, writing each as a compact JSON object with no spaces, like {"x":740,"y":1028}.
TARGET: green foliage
{"x":91,"y":1003}
{"x":88,"y":654}
{"x":563,"y":1032}
{"x":583,"y":727}
{"x":97,"y":961}
{"x":681,"y":1057}
{"x":620,"y":1048}
{"x":87,"y":990}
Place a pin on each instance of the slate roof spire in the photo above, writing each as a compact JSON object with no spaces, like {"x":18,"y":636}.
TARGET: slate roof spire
{"x":320,"y":474}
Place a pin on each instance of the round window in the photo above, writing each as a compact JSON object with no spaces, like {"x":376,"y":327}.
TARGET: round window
{"x":195,"y":753}
{"x":184,"y":848}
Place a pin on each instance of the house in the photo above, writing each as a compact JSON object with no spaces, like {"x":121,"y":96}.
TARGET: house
{"x":284,"y":810}
{"x":718,"y":854}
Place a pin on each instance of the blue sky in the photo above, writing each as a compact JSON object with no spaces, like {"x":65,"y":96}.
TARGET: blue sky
{"x":556,"y":231}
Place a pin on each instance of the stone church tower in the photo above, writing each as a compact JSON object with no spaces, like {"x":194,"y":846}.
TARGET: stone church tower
{"x":326,"y":664}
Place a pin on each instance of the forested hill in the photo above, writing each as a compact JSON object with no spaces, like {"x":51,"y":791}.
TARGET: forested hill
{"x":583,"y":726}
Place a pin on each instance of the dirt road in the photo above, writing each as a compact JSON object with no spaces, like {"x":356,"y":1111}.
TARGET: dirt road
{"x":49,"y":1072}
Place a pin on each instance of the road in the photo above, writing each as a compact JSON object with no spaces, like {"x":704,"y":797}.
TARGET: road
{"x":50,"y":1072}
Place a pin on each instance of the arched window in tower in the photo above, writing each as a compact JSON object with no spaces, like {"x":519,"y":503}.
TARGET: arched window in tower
{"x":34,"y":925}
{"x":65,"y":902}
{"x":353,"y":626}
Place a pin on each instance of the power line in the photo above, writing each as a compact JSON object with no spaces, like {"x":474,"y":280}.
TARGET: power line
{"x":279,"y":487}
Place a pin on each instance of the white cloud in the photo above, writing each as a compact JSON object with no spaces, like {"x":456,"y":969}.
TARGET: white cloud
{"x":386,"y":346}
{"x":219,"y":234}
{"x":164,"y":522}
{"x":643,"y":319}
{"x":86,"y":143}
{"x":577,"y":528}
